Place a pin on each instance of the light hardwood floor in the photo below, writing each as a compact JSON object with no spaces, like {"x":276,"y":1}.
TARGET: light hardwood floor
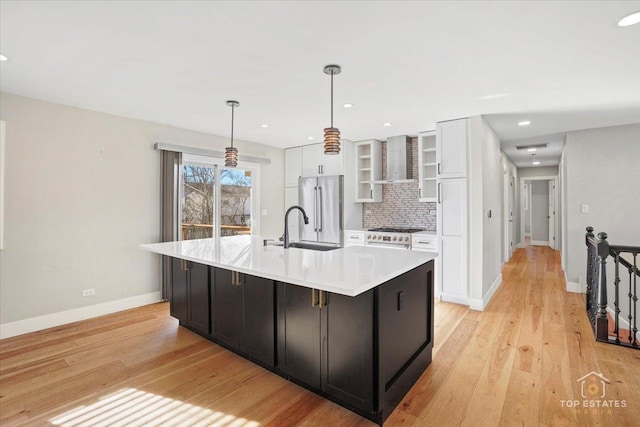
{"x":512,"y":364}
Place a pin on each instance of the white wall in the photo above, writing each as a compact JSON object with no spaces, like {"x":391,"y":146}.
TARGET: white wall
{"x":485,"y":194}
{"x":82,"y":192}
{"x":602,"y":171}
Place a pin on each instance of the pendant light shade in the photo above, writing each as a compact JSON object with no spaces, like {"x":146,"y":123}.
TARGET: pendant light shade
{"x":231,"y":153}
{"x":331,"y":134}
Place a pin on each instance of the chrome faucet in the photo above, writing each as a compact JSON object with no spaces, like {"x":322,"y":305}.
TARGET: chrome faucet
{"x":286,"y":223}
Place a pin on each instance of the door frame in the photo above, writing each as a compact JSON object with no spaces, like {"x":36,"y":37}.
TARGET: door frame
{"x":553,"y":178}
{"x":507,"y":250}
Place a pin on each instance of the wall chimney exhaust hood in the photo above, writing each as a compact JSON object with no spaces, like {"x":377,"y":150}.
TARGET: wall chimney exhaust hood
{"x":399,"y":161}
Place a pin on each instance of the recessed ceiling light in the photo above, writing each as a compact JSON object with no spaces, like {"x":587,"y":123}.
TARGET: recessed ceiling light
{"x":631,"y":19}
{"x":347,"y":105}
{"x":531,"y":149}
{"x":264,"y":126}
{"x":3,"y":58}
{"x":536,"y":163}
{"x":310,"y":138}
{"x":387,"y":124}
{"x":524,"y":123}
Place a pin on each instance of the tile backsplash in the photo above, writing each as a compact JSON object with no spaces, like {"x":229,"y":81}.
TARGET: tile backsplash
{"x":400,"y":206}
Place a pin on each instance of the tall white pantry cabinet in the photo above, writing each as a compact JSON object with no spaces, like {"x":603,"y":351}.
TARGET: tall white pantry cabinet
{"x":451,"y":174}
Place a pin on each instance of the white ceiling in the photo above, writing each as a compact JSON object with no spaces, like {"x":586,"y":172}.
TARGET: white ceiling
{"x":564,"y":65}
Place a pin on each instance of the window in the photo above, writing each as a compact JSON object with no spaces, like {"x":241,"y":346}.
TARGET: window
{"x":218,"y":201}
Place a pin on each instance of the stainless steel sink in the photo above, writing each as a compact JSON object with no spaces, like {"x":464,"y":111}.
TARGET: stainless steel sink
{"x":313,"y":246}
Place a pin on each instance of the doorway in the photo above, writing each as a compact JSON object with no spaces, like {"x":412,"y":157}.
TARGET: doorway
{"x":509,"y":209}
{"x":538,"y":213}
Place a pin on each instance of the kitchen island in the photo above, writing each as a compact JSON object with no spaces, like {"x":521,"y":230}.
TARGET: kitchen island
{"x":353,"y":324}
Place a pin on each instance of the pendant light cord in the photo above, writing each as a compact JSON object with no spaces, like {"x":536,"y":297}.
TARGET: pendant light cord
{"x":233,"y":107}
{"x":331,"y":98}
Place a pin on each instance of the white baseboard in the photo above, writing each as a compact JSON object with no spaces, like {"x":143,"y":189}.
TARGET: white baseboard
{"x":453,"y":298}
{"x":527,"y":234}
{"x":574,"y":287}
{"x":520,"y":245}
{"x":39,"y":323}
{"x":479,"y":304}
{"x":539,"y":243}
{"x":624,"y":324}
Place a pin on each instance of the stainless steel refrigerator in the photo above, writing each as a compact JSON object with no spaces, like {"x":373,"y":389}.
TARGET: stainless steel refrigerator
{"x":322,"y":198}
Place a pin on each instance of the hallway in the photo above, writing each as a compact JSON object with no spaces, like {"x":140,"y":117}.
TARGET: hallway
{"x":516,"y":363}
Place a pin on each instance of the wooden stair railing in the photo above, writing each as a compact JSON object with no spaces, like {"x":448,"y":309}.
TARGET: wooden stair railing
{"x":624,"y":258}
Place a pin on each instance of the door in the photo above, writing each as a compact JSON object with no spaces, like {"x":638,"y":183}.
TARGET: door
{"x":332,"y":164}
{"x":511,"y":226}
{"x":258,"y":318}
{"x":451,"y":149}
{"x":178,"y":303}
{"x":452,"y":220}
{"x":226,"y":314}
{"x":347,"y":348}
{"x":311,"y":159}
{"x":235,"y":201}
{"x":308,"y":199}
{"x":299,"y":333}
{"x":552,"y":214}
{"x":199,"y":298}
{"x":292,"y":166}
{"x":330,"y":197}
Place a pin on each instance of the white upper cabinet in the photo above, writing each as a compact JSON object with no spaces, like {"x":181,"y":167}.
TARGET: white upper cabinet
{"x":368,"y":168}
{"x":315,"y":162}
{"x":427,"y":167}
{"x":293,"y":166}
{"x":451,"y":149}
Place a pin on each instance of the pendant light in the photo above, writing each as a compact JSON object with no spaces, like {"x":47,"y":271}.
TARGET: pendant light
{"x":231,"y":153}
{"x":331,"y":134}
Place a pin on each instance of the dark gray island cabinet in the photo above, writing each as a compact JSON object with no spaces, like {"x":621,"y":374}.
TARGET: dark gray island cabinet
{"x":363,"y":352}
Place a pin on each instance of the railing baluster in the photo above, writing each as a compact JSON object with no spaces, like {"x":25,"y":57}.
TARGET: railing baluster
{"x":602,"y":322}
{"x":635,"y":273}
{"x":616,"y":283}
{"x":589,"y":301}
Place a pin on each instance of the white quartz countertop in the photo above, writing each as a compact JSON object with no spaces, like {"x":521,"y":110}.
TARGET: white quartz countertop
{"x":348,"y":271}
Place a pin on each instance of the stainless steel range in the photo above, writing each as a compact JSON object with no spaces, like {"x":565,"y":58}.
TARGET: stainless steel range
{"x":399,"y":238}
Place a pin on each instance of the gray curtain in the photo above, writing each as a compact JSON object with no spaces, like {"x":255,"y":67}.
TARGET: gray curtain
{"x":169,"y":210}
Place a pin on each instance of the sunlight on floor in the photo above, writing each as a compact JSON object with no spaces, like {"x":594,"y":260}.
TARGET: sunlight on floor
{"x":131,"y":407}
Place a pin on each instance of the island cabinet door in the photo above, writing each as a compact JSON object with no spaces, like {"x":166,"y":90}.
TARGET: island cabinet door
{"x":299,"y":333}
{"x":258,"y":318}
{"x":226,"y":308}
{"x":178,"y":300}
{"x":347,"y":348}
{"x":198,"y":307}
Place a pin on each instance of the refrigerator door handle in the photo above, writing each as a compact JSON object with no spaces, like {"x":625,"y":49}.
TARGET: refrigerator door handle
{"x":315,"y":209}
{"x":321,"y":208}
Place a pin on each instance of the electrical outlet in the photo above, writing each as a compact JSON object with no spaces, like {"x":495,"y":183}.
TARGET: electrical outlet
{"x":367,"y":211}
{"x":584,"y":208}
{"x":88,"y":292}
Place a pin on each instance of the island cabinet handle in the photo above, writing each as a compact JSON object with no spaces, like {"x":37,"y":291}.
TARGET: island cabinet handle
{"x":184,"y":266}
{"x":314,"y":298}
{"x":235,"y":278}
{"x":323,"y":299}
